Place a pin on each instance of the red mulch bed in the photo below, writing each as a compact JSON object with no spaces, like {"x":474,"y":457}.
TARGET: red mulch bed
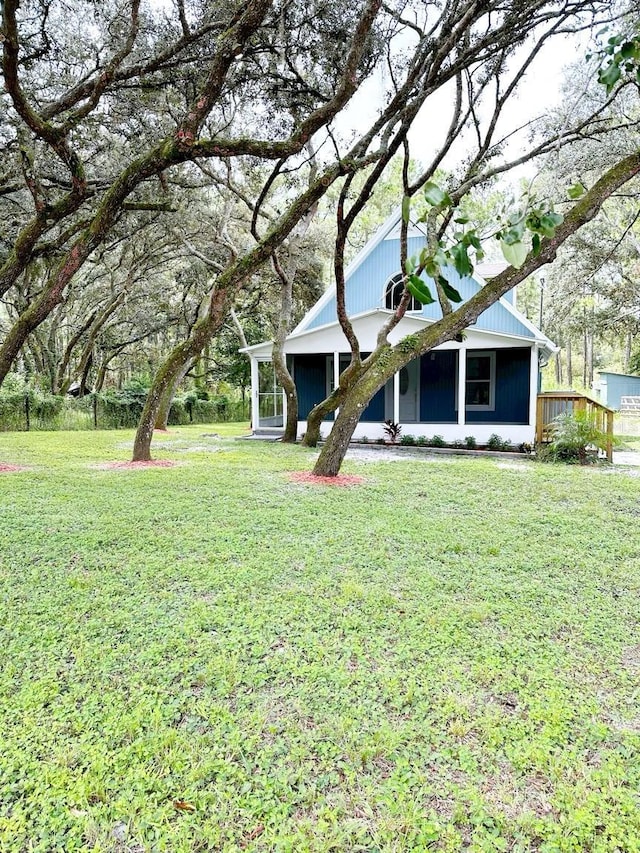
{"x":341,"y":480}
{"x":5,"y":468}
{"x":126,"y":466}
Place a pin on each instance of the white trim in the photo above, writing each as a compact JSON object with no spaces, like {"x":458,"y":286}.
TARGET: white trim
{"x":533,"y":384}
{"x":255,"y":385}
{"x":461,"y":390}
{"x":396,"y":397}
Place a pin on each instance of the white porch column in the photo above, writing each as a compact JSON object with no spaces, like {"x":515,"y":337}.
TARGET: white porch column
{"x":336,"y":373}
{"x":396,"y":397}
{"x":533,"y":386}
{"x":462,"y":383}
{"x":255,"y":389}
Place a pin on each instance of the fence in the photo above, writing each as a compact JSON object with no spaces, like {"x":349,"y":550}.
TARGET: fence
{"x":30,"y":410}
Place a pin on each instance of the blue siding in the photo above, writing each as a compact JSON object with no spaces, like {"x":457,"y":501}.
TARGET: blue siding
{"x":310,"y":373}
{"x":374,"y":413}
{"x":365,"y":291}
{"x":438,"y":371}
{"x":617,"y":385}
{"x":512,"y":389}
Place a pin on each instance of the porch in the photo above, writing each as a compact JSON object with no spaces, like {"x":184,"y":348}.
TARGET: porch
{"x":454,"y":391}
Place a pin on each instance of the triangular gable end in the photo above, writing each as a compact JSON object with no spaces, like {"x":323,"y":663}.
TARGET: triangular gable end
{"x":378,"y":261}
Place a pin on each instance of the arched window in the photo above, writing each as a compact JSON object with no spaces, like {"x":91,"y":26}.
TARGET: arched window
{"x":393,"y":294}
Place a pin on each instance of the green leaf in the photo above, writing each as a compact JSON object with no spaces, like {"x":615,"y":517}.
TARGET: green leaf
{"x":535,"y":244}
{"x":449,"y":291}
{"x":513,"y":235}
{"x":406,"y":208}
{"x":576,"y":190}
{"x":514,"y":253}
{"x":628,"y":50}
{"x":609,"y":76}
{"x":419,"y":290}
{"x":461,"y":220}
{"x":409,"y":265}
{"x":435,"y":196}
{"x":461,"y":260}
{"x":475,"y":241}
{"x":549,"y":222}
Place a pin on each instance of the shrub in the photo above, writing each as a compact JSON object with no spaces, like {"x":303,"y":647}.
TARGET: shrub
{"x":392,"y":430}
{"x":364,"y":440}
{"x":437,"y":441}
{"x":470,"y":442}
{"x":421,"y":441}
{"x":576,"y":438}
{"x":408,"y":440}
{"x":496,"y":442}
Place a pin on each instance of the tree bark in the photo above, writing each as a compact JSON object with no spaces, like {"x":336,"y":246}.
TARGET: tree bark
{"x":162,"y":418}
{"x":335,"y":448}
{"x":166,"y":380}
{"x":285,"y":379}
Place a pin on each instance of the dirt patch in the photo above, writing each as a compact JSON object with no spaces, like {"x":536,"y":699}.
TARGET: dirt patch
{"x":128,"y":466}
{"x":631,"y":659}
{"x":5,"y":468}
{"x":307,"y":478}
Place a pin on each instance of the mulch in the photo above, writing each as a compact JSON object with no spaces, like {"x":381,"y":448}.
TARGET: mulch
{"x":307,"y":478}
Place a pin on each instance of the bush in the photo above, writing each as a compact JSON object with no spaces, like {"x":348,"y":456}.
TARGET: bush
{"x":407,"y":440}
{"x":436,"y":441}
{"x":421,"y":441}
{"x":470,"y":442}
{"x":576,"y":438}
{"x":496,"y":442}
{"x":392,"y":430}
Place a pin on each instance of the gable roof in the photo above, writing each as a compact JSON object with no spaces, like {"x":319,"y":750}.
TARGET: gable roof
{"x":369,"y":272}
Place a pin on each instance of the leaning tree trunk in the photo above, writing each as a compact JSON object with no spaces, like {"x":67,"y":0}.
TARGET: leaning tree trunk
{"x":279,"y":361}
{"x":166,"y":379}
{"x":351,"y":408}
{"x":166,"y":401}
{"x":315,"y":418}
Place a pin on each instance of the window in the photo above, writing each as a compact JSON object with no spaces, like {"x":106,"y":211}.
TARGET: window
{"x":480,"y":388}
{"x":393,"y":294}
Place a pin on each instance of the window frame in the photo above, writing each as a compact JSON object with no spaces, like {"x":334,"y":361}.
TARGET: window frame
{"x":491,"y":405}
{"x":392,"y":283}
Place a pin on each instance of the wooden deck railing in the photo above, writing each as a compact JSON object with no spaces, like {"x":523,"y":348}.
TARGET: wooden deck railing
{"x":553,"y":403}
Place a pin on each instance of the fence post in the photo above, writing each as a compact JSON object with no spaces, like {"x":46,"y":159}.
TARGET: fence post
{"x":26,"y":411}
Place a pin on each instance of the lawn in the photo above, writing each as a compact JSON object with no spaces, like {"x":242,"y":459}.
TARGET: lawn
{"x":209,"y":657}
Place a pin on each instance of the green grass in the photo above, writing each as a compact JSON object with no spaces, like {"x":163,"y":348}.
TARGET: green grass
{"x":443,"y":658}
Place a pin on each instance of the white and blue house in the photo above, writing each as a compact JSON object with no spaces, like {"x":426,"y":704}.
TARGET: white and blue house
{"x":487,"y":383}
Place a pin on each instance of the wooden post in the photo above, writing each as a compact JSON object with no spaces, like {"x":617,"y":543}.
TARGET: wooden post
{"x":609,"y":436}
{"x":539,"y":419}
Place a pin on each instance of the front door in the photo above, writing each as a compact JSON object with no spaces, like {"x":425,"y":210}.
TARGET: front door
{"x":409,"y":380}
